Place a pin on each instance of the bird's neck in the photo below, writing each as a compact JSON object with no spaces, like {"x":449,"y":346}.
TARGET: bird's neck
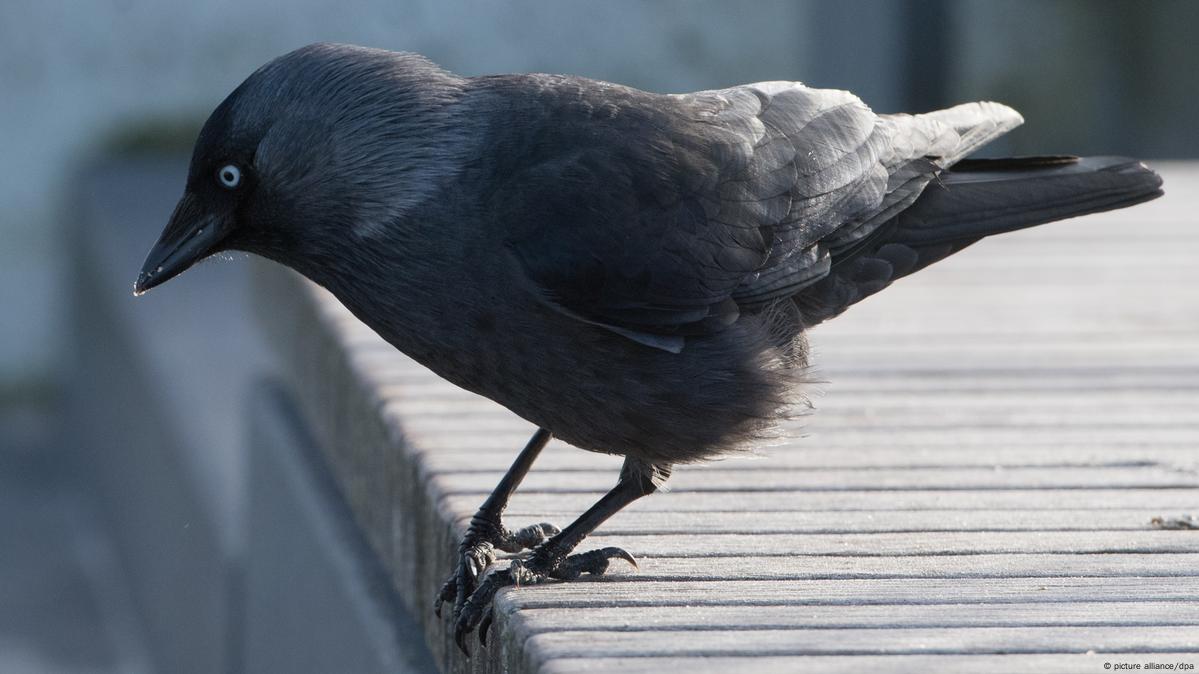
{"x":407,"y":282}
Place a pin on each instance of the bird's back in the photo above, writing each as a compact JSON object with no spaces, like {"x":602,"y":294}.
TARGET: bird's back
{"x":667,"y":217}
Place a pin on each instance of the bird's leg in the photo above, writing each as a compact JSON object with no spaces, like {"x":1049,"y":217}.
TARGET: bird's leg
{"x":486,"y":533}
{"x":553,"y":558}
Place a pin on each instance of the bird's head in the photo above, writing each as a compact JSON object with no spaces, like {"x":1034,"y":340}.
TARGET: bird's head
{"x":326,"y":143}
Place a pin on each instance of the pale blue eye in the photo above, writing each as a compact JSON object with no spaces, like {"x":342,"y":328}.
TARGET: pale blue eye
{"x":229,"y":175}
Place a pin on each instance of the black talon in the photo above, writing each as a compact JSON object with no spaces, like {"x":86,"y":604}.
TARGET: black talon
{"x":483,"y":627}
{"x":448,"y":591}
{"x":621,"y":553}
{"x":460,"y":639}
{"x":594,"y":562}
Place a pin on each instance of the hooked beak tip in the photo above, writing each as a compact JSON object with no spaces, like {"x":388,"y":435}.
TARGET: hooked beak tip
{"x":146,"y":281}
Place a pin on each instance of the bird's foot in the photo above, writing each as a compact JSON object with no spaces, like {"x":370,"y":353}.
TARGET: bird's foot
{"x":478,"y":550}
{"x":538,"y":568}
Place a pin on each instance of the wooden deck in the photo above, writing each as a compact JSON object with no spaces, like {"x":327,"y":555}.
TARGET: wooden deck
{"x":994,"y":479}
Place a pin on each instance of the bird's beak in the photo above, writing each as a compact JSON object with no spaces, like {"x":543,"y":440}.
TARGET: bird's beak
{"x":188,"y":238}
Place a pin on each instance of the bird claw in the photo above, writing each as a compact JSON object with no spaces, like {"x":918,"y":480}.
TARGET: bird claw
{"x":484,"y":626}
{"x":473,"y":559}
{"x":476,"y":611}
{"x":477,"y":552}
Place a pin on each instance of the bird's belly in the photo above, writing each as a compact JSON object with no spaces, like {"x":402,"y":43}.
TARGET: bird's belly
{"x":604,"y":393}
{"x":595,"y":389}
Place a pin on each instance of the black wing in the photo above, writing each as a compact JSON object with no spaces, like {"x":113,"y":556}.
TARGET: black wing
{"x":661,"y":217}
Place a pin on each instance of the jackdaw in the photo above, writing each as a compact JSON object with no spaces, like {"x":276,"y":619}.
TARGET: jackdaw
{"x":629,"y":271}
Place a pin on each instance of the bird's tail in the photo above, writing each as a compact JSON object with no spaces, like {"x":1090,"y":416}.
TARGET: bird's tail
{"x":974,"y":199}
{"x":983,"y":197}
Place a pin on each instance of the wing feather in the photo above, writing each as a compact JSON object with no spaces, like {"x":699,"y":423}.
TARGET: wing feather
{"x":665,"y":216}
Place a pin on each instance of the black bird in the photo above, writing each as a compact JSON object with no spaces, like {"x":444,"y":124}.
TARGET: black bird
{"x":632,"y":272}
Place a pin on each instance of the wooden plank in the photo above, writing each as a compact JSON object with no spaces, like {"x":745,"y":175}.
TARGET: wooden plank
{"x":1083,"y":308}
{"x":1038,"y":422}
{"x":834,"y":404}
{"x":1081,"y":381}
{"x":996,"y":435}
{"x":1025,"y":355}
{"x":627,"y":590}
{"x":1074,"y":614}
{"x":849,"y":386}
{"x":715,"y":476}
{"x":992,"y":565}
{"x":394,"y":374}
{"x":864,"y":521}
{"x":986,"y":435}
{"x":807,"y":432}
{"x":1024,"y":500}
{"x":953,"y":349}
{"x":757,"y":643}
{"x":498,"y":447}
{"x":488,"y":453}
{"x":645,"y":544}
{"x":1033,"y":273}
{"x":1041,"y":663}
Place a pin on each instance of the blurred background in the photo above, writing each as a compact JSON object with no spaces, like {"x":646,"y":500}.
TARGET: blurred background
{"x":100,"y":104}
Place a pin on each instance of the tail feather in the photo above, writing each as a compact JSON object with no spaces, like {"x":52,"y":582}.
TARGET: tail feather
{"x":976,"y":124}
{"x":975,"y":199}
{"x":983,"y":197}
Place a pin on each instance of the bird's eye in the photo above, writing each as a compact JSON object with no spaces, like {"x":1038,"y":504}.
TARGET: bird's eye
{"x":229,"y":175}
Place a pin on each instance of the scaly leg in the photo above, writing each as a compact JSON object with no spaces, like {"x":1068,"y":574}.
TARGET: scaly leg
{"x":553,"y":558}
{"x":486,"y":533}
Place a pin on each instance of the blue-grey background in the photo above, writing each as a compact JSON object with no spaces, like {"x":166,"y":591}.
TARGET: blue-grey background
{"x":83,"y":82}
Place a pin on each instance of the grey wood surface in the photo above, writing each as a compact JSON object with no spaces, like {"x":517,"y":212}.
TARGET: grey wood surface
{"x":975,"y":490}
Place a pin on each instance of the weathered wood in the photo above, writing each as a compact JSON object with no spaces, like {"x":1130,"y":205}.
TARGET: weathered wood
{"x":407,"y":384}
{"x":448,"y":455}
{"x":1041,"y":663}
{"x":862,"y":616}
{"x":974,"y":492}
{"x":859,"y":522}
{"x":850,"y":501}
{"x":763,"y":478}
{"x":627,"y":590}
{"x":993,"y":436}
{"x":756,"y":643}
{"x":900,"y":544}
{"x":833,"y":410}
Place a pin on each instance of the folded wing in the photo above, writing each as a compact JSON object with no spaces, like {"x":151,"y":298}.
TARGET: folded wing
{"x":661,"y":217}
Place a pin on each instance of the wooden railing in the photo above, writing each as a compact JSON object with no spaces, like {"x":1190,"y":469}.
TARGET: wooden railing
{"x":976,"y":491}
